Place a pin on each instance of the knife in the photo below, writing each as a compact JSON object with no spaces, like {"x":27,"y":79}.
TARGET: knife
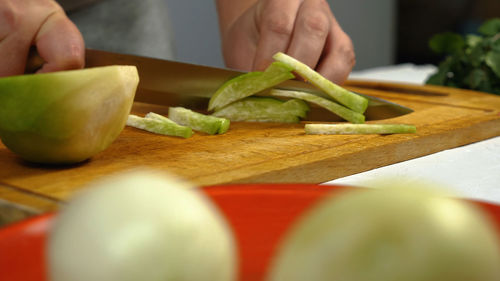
{"x":173,"y":83}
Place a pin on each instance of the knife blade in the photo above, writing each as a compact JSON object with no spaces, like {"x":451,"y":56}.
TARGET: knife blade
{"x":173,"y":83}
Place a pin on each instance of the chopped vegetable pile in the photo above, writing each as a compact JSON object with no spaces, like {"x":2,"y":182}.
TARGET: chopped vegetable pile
{"x":349,"y":99}
{"x":334,"y":107}
{"x":181,"y":123}
{"x":265,"y":109}
{"x":250,"y":83}
{"x":163,"y":125}
{"x":238,"y":100}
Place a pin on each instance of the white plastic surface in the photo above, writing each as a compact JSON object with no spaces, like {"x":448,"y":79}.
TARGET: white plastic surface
{"x":471,"y":171}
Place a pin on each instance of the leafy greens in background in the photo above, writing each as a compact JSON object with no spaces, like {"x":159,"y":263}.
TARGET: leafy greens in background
{"x":472,"y":62}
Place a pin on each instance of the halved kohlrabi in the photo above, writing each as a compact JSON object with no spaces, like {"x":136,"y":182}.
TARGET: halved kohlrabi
{"x":67,"y":116}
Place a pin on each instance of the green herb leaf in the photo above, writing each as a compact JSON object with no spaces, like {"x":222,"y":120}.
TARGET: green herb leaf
{"x":476,"y":56}
{"x":475,"y":78}
{"x":490,"y":27}
{"x":473,"y":40}
{"x":442,"y":75}
{"x":495,"y":44}
{"x":447,"y":43}
{"x":492,"y":59}
{"x":472,"y":62}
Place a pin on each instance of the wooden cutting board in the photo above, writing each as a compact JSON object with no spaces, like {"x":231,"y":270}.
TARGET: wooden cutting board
{"x":268,"y":152}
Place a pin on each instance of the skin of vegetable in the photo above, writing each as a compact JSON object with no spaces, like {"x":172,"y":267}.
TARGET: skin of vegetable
{"x":264,"y":109}
{"x":199,"y":122}
{"x":333,"y":107}
{"x":349,"y":99}
{"x":249,"y":84}
{"x":224,"y":126}
{"x":68,"y":116}
{"x":152,"y":115}
{"x":140,"y":225}
{"x":387,"y":235}
{"x":297,"y":107}
{"x":159,"y":126}
{"x":358,"y":129}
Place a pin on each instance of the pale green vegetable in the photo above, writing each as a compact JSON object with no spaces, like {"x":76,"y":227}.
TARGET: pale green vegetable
{"x":156,"y":116}
{"x":349,"y":99}
{"x":159,"y":126}
{"x":66,"y":116}
{"x":249,"y":84}
{"x":264,"y":109}
{"x":224,"y":126}
{"x":358,"y":129}
{"x":140,"y":225}
{"x":297,"y":107}
{"x":389,"y":235}
{"x":197,"y":121}
{"x":333,"y":107}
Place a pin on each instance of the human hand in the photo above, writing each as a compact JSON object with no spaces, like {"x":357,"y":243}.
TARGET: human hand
{"x":39,"y":23}
{"x":254,"y":30}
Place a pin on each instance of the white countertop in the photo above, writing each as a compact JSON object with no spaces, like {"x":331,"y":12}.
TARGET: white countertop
{"x":471,"y":171}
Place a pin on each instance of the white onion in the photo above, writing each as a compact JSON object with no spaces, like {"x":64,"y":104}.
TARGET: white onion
{"x":389,"y":235}
{"x":140,"y":226}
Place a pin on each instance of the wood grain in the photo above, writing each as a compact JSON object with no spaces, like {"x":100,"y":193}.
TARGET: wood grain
{"x":270,"y":152}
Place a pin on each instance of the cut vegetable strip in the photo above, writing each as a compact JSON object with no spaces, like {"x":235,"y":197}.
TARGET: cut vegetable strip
{"x":158,"y":117}
{"x":344,"y":112}
{"x":358,"y":129}
{"x":159,"y":127}
{"x":197,"y":121}
{"x":296,"y":107}
{"x":248,"y":84}
{"x":224,"y":126}
{"x":264,"y":109}
{"x":343,"y":96}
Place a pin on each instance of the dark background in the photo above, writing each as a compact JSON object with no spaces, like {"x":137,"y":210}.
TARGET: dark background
{"x":418,"y":20}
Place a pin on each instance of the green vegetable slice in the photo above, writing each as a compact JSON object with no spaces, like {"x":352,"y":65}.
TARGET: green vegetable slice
{"x":358,"y":129}
{"x":157,"y":126}
{"x":199,"y":122}
{"x":158,"y":117}
{"x":492,"y":59}
{"x":224,"y":126}
{"x":264,"y":109}
{"x":351,"y":100}
{"x":344,"y":112}
{"x":297,"y":107}
{"x":248,"y":84}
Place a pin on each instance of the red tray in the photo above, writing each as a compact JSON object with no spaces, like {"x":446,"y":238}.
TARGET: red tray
{"x":259,"y":215}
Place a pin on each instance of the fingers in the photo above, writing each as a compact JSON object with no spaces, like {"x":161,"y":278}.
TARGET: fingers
{"x":239,"y":42}
{"x":24,"y":23}
{"x":13,"y":48}
{"x":307,"y":31}
{"x":311,"y":30}
{"x":276,"y":21}
{"x":338,"y":57}
{"x":60,"y":44}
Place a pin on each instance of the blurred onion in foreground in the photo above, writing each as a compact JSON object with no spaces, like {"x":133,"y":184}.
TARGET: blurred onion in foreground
{"x":389,"y":234}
